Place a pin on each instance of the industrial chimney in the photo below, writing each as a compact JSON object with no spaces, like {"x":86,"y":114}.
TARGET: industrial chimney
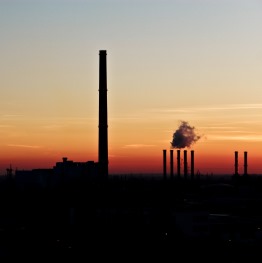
{"x":103,"y":136}
{"x":178,"y":163}
{"x":192,"y":165}
{"x":185,"y":164}
{"x":245,"y":163}
{"x":164,"y":164}
{"x":171,"y":164}
{"x":236,"y":162}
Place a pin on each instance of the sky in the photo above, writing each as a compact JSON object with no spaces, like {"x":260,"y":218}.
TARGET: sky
{"x":168,"y":61}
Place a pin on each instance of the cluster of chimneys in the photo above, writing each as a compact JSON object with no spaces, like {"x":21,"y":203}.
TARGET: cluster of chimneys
{"x":103,"y":133}
{"x":236,"y":163}
{"x":178,"y":164}
{"x":192,"y":164}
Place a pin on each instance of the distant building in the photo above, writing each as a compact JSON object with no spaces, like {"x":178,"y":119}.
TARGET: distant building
{"x":70,"y":169}
{"x":36,"y":178}
{"x":65,"y":171}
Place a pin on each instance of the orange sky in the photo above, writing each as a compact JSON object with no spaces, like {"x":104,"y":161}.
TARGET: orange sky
{"x":196,"y":61}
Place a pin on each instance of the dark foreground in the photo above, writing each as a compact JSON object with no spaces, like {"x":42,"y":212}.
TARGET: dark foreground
{"x":208,"y":220}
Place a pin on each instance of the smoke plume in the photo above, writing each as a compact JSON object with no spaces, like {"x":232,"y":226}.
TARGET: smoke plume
{"x":184,"y":136}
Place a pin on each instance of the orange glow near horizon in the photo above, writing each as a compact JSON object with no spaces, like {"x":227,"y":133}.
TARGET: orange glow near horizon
{"x":138,"y":160}
{"x":135,"y":144}
{"x":166,"y":63}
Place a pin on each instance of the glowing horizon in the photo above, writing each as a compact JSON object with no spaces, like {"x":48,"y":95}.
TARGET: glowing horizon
{"x":168,"y":61}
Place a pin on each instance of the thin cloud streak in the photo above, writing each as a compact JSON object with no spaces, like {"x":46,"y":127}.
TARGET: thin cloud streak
{"x":218,"y":127}
{"x":135,"y":146}
{"x":239,"y":131}
{"x":53,"y":127}
{"x":125,"y":118}
{"x":11,"y":116}
{"x":24,"y":146}
{"x":255,"y":138}
{"x":208,"y":108}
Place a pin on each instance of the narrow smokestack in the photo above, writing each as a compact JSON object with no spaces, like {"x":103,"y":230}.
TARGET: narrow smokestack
{"x":236,"y":163}
{"x":171,"y":164}
{"x":185,"y":164}
{"x":245,"y":163}
{"x":164,"y":164}
{"x":192,"y":165}
{"x":178,"y":163}
{"x":103,"y":136}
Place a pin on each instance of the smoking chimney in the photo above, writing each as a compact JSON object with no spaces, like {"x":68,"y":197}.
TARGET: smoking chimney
{"x":178,"y":163}
{"x":236,"y":163}
{"x":192,"y":165}
{"x":185,"y":164}
{"x":164,"y":164}
{"x":103,"y":136}
{"x":171,"y":164}
{"x":245,"y":163}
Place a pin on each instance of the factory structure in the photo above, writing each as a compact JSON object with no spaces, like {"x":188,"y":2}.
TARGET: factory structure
{"x":185,"y":161}
{"x":192,"y":164}
{"x":68,"y":169}
{"x":72,"y":205}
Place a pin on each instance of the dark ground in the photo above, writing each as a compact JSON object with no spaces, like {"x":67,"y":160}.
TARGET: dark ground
{"x":132,"y":219}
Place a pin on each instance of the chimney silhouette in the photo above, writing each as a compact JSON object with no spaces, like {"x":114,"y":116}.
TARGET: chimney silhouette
{"x":103,"y":135}
{"x":171,"y":164}
{"x":185,"y":164}
{"x":192,"y":165}
{"x":245,"y":163}
{"x":236,"y":162}
{"x":164,"y":164}
{"x":178,"y":163}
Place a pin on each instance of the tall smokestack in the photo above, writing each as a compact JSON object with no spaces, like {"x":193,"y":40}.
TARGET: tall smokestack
{"x":178,"y":163}
{"x":164,"y":164}
{"x":192,"y":165}
{"x":185,"y":164}
{"x":245,"y":163}
{"x":236,"y":163}
{"x":171,"y":164}
{"x":103,"y":136}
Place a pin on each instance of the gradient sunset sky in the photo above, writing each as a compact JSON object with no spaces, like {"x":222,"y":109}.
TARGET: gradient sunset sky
{"x":198,"y":61}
